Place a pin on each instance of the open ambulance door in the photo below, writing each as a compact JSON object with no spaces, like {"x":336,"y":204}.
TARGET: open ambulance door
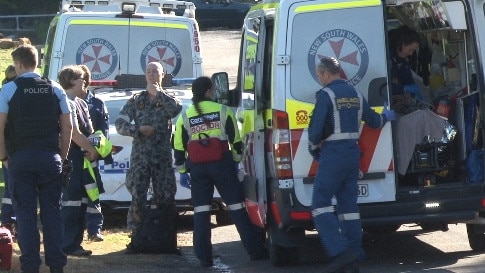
{"x":250,"y":114}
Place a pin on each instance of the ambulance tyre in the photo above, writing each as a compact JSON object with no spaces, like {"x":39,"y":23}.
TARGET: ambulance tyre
{"x":280,"y":255}
{"x":476,"y":237}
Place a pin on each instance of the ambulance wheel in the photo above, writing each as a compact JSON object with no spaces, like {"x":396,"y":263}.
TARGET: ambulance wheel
{"x":476,"y":237}
{"x":223,"y":217}
{"x":282,"y":256}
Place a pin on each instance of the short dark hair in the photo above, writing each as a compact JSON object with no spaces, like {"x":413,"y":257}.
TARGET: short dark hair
{"x":25,"y":54}
{"x":69,"y":73}
{"x":329,"y":64}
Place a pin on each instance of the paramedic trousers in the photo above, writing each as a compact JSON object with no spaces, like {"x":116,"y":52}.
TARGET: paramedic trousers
{"x":6,"y":214}
{"x":339,"y":227}
{"x":222,"y":175}
{"x":34,"y":176}
{"x":74,"y":202}
{"x":94,"y":215}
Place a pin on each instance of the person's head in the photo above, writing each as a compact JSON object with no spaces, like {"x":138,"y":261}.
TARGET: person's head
{"x":10,"y":74}
{"x":154,"y":73}
{"x":24,"y":58}
{"x":87,"y":76}
{"x":405,"y":40}
{"x":202,"y":89}
{"x":71,"y":78}
{"x":328,"y":70}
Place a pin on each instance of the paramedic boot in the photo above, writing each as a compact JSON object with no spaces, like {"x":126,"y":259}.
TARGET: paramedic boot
{"x":338,"y":263}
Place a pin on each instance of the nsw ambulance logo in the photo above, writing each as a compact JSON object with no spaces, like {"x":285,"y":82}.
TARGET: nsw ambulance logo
{"x":164,"y":52}
{"x":99,"y":55}
{"x":346,"y":47}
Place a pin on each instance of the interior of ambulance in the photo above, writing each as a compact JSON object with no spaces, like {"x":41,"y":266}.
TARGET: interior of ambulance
{"x":438,"y":135}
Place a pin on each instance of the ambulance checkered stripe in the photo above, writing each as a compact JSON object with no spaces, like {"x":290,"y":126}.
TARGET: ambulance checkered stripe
{"x":248,"y":155}
{"x":375,"y":144}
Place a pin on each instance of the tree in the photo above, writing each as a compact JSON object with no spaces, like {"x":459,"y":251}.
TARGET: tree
{"x":27,"y":7}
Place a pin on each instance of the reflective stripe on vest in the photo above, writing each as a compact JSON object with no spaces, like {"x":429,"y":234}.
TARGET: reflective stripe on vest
{"x":92,"y":188}
{"x":337,"y":131}
{"x":222,"y":136}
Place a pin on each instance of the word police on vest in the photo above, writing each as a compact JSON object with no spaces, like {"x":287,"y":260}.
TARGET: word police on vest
{"x":44,"y":90}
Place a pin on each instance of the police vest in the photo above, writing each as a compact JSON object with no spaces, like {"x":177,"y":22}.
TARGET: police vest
{"x":347,"y":114}
{"x":33,"y":116}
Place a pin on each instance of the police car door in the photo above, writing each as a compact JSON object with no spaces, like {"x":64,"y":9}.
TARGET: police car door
{"x":171,"y":40}
{"x":251,"y":114}
{"x":354,"y":33}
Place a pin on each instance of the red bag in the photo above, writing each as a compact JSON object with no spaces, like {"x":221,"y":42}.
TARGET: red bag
{"x":206,"y":149}
{"x":5,"y":249}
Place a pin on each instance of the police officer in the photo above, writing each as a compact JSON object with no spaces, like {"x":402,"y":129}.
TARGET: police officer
{"x":151,"y":155}
{"x":213,"y":120}
{"x":82,"y":185}
{"x":100,"y":121}
{"x":40,"y":132}
{"x":333,"y":136}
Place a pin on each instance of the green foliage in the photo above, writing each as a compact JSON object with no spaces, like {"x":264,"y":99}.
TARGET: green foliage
{"x":5,"y":60}
{"x":25,"y":7}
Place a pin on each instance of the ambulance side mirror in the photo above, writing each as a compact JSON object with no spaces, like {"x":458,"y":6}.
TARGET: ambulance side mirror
{"x":221,"y":88}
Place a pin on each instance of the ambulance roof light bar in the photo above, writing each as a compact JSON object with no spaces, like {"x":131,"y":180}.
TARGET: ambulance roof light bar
{"x":78,"y":5}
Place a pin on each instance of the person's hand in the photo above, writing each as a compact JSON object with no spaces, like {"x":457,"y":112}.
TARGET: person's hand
{"x":389,"y":114}
{"x":185,"y":180}
{"x":314,"y":151}
{"x":147,"y":130}
{"x":414,"y":91}
{"x":91,"y":155}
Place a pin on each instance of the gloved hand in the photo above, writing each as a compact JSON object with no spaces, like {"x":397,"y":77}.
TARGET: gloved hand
{"x":389,"y":114}
{"x":66,"y":172}
{"x":315,"y":152}
{"x":414,"y":91}
{"x":185,"y":180}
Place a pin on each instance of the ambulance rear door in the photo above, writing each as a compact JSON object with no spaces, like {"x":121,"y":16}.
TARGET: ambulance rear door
{"x":171,"y":40}
{"x":354,"y":33}
{"x":95,"y":39}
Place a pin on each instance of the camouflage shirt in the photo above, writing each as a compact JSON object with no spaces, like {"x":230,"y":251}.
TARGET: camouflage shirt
{"x":140,"y":110}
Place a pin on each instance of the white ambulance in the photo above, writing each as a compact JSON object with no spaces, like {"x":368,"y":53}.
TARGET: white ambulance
{"x":117,"y":39}
{"x":405,"y":179}
{"x":114,"y":37}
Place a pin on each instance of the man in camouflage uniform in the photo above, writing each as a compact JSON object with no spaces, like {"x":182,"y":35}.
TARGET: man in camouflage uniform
{"x":151,"y":155}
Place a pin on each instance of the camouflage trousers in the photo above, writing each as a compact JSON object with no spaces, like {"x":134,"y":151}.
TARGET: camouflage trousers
{"x":138,"y":178}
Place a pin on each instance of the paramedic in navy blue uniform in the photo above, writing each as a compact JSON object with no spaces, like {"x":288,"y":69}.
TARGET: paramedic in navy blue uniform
{"x":204,"y":113}
{"x":82,"y":185}
{"x":333,"y":135}
{"x":40,"y":127}
{"x":100,"y":121}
